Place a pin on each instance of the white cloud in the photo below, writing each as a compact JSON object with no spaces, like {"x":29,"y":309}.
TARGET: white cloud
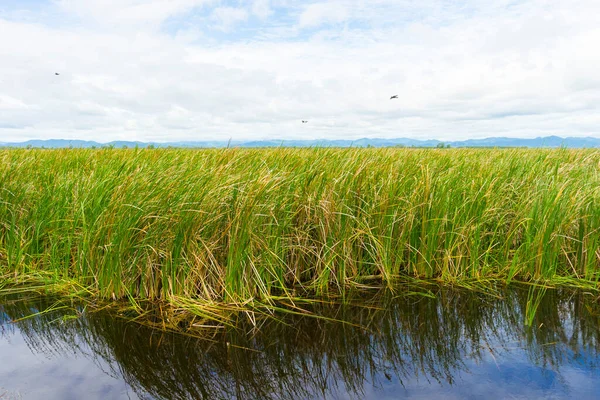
{"x":320,"y":13}
{"x":227,"y":17}
{"x":125,"y":13}
{"x":262,"y":8}
{"x":10,"y":103}
{"x":232,"y":69}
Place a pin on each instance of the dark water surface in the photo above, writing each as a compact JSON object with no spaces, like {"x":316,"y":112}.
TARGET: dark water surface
{"x":456,"y":345}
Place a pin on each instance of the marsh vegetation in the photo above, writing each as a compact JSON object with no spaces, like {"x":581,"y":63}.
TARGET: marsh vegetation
{"x":203,"y":230}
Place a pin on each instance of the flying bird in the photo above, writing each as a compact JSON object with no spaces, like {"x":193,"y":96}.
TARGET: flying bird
{"x":56,"y":73}
{"x":394,"y":97}
{"x":304,"y":122}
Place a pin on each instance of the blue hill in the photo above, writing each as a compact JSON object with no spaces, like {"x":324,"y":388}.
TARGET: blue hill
{"x":540,"y":142}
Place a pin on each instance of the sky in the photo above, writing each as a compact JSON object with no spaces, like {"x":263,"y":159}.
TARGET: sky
{"x":194,"y":70}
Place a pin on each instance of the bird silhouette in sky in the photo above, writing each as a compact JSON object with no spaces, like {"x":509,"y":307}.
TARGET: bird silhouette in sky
{"x":56,"y":73}
{"x":394,"y":97}
{"x":304,"y":122}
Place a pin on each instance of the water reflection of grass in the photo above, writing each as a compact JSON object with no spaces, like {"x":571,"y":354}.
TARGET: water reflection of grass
{"x":213,"y":231}
{"x":295,"y":356}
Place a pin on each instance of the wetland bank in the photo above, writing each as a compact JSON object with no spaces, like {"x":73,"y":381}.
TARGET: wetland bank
{"x":276,"y":273}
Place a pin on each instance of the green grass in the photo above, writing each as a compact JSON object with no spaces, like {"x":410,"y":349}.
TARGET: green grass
{"x":235,"y":226}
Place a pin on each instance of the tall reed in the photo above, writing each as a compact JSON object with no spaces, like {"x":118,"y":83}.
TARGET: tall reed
{"x":232,"y":225}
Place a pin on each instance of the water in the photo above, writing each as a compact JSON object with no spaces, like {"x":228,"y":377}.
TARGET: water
{"x":456,"y":345}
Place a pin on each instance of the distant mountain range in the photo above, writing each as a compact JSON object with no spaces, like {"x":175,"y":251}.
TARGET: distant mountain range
{"x":548,"y":141}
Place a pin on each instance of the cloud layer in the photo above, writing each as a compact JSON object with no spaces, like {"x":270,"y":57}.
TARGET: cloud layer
{"x":166,"y":70}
